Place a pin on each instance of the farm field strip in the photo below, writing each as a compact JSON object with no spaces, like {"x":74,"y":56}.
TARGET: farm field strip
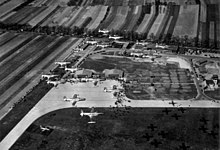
{"x":119,"y":19}
{"x":96,"y":14}
{"x":135,"y":18}
{"x":22,"y":56}
{"x":155,"y":27}
{"x":20,"y":50}
{"x":33,"y":22}
{"x":7,"y":36}
{"x":50,"y":20}
{"x":164,"y":22}
{"x":88,"y":13}
{"x":128,"y":18}
{"x":19,"y":15}
{"x":2,"y":19}
{"x":145,"y":24}
{"x":34,"y":13}
{"x":31,"y":78}
{"x":172,"y":22}
{"x":9,"y":6}
{"x":21,"y":69}
{"x":62,"y":14}
{"x":187,"y":26}
{"x":99,"y":18}
{"x":111,"y":15}
{"x":11,"y":45}
{"x":73,"y":17}
{"x":79,"y":16}
{"x":2,"y":1}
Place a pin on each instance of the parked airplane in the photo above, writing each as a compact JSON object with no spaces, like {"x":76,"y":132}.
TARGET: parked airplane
{"x":115,"y":37}
{"x":71,"y":69}
{"x":91,"y":42}
{"x":172,"y":102}
{"x":161,"y":46}
{"x":107,"y":90}
{"x":142,"y":43}
{"x":103,"y":45}
{"x":55,"y":83}
{"x":48,"y":76}
{"x":73,"y":80}
{"x":62,"y":64}
{"x":44,"y":128}
{"x":105,"y":31}
{"x":91,"y":114}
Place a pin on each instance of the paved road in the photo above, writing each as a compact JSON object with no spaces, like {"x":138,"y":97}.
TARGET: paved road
{"x":95,"y":96}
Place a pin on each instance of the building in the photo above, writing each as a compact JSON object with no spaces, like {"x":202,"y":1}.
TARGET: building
{"x":84,"y":73}
{"x":113,"y":73}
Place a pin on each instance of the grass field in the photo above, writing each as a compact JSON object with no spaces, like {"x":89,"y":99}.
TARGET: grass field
{"x":124,"y":129}
{"x":148,"y":80}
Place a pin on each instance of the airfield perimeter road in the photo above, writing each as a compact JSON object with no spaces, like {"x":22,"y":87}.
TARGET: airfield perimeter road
{"x":22,"y":86}
{"x":95,"y":96}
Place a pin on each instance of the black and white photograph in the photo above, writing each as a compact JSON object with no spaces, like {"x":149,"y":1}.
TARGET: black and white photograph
{"x":109,"y":74}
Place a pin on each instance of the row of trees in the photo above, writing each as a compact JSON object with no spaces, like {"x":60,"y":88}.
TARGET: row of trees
{"x":127,"y":35}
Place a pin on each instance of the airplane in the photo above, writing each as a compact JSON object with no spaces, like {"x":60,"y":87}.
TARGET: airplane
{"x":147,"y":136}
{"x":213,"y":134}
{"x":184,"y":147}
{"x":107,"y":90}
{"x":172,"y":102}
{"x":48,"y":76}
{"x":152,"y":127}
{"x":55,"y":83}
{"x":155,"y":143}
{"x":161,"y":46}
{"x":71,"y":69}
{"x":91,"y":42}
{"x":115,"y":37}
{"x":175,"y":116}
{"x":71,"y":80}
{"x":203,"y":120}
{"x":44,"y":128}
{"x":91,"y":114}
{"x":62,"y":64}
{"x":102,"y":45}
{"x":203,"y":129}
{"x":181,"y":109}
{"x":162,"y":134}
{"x":142,"y":43}
{"x":166,"y":111}
{"x":104,"y":31}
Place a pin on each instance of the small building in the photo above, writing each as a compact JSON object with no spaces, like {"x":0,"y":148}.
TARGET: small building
{"x":84,"y":73}
{"x":113,"y":73}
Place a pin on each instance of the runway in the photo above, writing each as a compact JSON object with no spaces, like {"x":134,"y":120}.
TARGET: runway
{"x":95,"y":97}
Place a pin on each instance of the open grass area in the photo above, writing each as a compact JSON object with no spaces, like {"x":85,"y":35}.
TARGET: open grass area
{"x":124,"y":129}
{"x":146,"y":80}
